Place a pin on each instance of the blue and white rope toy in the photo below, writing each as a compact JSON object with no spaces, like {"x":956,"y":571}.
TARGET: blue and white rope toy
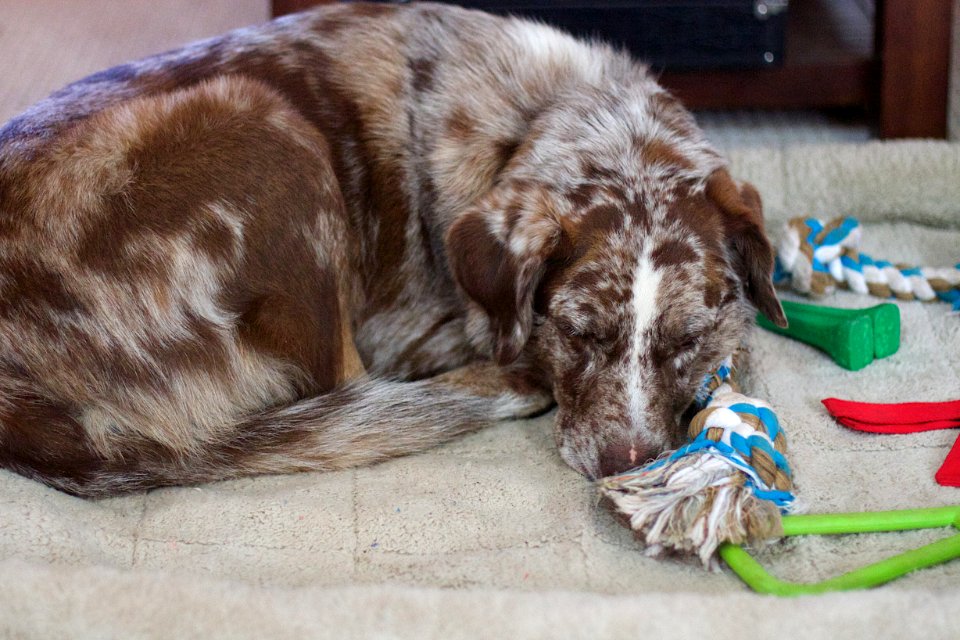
{"x":729,"y":483}
{"x":817,"y":257}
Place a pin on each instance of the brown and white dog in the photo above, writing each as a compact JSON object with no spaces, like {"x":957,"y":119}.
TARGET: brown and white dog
{"x":350,"y":234}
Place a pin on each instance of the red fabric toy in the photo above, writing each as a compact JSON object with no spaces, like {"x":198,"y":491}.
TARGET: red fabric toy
{"x":907,"y":417}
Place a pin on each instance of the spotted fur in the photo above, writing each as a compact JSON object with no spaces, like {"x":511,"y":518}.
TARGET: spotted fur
{"x":352,"y":233}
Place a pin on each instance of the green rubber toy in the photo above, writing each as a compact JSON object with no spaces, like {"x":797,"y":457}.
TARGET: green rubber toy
{"x":852,"y":337}
{"x":758,"y":579}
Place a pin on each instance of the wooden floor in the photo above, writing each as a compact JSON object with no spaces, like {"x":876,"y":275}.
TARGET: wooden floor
{"x":44,"y":44}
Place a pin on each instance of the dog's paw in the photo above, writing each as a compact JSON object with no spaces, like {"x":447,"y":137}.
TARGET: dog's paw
{"x":513,"y":405}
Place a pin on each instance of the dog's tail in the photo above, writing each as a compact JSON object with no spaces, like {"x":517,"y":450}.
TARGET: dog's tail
{"x":361,"y":423}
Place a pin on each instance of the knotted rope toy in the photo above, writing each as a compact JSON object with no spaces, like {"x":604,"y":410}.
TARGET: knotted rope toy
{"x":817,"y":257}
{"x":730,"y":483}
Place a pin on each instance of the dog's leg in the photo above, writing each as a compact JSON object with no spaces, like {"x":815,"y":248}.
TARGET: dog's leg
{"x":510,"y":390}
{"x":363,"y":422}
{"x":371,"y":420}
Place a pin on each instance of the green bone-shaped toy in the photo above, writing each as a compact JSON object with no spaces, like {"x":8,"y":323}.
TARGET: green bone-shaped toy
{"x":757,"y":578}
{"x":852,"y":337}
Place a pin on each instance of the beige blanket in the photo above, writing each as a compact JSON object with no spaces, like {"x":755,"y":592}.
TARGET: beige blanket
{"x":492,"y":536}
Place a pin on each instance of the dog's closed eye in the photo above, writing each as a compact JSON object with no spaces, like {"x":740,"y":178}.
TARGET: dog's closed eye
{"x":685,"y":350}
{"x":688,"y":344}
{"x":585,"y":330}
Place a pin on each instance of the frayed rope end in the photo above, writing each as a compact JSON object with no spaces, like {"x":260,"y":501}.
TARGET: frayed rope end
{"x":691,"y":505}
{"x":730,"y":483}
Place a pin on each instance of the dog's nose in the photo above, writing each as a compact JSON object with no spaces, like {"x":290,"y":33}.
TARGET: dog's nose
{"x":620,"y":457}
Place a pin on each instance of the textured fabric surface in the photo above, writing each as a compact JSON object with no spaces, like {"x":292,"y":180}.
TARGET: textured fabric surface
{"x":752,"y":128}
{"x":499,"y":513}
{"x":903,"y":181}
{"x":492,"y":535}
{"x":104,"y":603}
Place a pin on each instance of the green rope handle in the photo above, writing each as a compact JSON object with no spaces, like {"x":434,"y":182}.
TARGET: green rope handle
{"x":758,"y":579}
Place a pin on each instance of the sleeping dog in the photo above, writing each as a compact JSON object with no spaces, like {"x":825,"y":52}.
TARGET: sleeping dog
{"x":353,"y":233}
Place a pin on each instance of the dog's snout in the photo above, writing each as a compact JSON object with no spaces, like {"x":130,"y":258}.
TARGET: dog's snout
{"x":620,"y":457}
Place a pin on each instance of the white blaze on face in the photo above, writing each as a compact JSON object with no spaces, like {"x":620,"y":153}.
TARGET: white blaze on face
{"x":646,"y":282}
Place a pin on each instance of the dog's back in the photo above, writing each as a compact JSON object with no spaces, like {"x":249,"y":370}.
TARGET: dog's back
{"x":226,"y":259}
{"x":190,"y":239}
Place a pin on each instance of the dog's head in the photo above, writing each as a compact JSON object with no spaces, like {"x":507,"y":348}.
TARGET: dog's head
{"x":626,"y":293}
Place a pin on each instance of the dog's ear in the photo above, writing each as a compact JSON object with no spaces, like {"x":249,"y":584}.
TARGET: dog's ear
{"x":743,"y":224}
{"x":498,"y":251}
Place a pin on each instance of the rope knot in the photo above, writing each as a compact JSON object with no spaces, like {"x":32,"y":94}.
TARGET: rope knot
{"x":729,"y":483}
{"x":818,"y":257}
{"x":745,"y":431}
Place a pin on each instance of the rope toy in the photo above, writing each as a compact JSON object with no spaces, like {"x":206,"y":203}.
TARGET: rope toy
{"x":817,"y":257}
{"x":730,"y":483}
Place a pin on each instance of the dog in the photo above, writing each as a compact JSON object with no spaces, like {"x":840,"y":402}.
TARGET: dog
{"x":351,"y":234}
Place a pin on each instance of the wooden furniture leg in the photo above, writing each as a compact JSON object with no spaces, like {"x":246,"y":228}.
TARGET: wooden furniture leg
{"x":914,"y":47}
